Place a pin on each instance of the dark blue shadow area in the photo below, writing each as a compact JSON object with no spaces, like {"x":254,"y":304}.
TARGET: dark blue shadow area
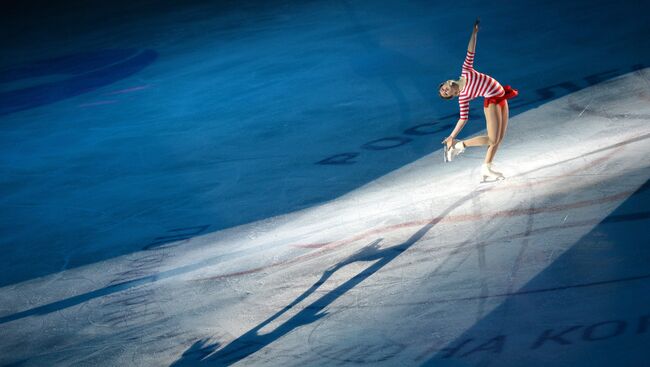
{"x":261,"y":111}
{"x":78,"y":74}
{"x":588,"y":308}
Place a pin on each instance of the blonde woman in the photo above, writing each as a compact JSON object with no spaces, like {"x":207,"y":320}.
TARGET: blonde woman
{"x":470,"y":85}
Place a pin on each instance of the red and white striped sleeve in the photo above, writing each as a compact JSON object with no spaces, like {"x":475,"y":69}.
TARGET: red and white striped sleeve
{"x":468,"y":64}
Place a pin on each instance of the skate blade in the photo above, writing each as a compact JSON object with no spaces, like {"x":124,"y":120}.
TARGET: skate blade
{"x":492,"y":180}
{"x":444,"y":155}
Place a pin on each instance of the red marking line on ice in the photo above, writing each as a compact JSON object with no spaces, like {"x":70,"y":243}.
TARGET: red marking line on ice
{"x":324,"y":248}
{"x":510,"y":213}
{"x":471,"y":218}
{"x":311,"y":245}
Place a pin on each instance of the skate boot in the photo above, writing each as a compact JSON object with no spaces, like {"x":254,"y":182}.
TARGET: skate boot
{"x":454,"y":151}
{"x":489,"y":175}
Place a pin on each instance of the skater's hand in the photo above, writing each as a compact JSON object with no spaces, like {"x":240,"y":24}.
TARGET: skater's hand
{"x":449,"y":141}
{"x":478,"y":20}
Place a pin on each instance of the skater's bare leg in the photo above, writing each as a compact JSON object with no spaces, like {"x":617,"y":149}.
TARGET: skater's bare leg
{"x":496,"y":118}
{"x":477,"y":141}
{"x":505,"y":111}
{"x":483,"y":140}
{"x":493,"y":120}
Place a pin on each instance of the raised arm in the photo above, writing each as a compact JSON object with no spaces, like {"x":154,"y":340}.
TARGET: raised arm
{"x":471,"y":47}
{"x":464,"y":105}
{"x":468,"y":64}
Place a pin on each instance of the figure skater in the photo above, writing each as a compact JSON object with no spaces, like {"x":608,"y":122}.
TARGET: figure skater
{"x":470,"y":85}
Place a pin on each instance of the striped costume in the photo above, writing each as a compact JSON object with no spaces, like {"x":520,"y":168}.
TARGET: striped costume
{"x":480,"y":85}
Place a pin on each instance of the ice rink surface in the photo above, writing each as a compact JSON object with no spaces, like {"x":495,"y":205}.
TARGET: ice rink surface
{"x":261,"y":184}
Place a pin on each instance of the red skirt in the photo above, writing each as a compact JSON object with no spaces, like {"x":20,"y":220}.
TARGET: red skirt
{"x":509,"y":93}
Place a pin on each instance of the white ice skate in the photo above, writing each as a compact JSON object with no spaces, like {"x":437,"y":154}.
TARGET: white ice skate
{"x":454,"y":151}
{"x":489,"y":175}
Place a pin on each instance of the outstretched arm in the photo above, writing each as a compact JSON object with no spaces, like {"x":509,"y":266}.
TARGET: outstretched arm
{"x":468,"y":64}
{"x":471,"y":47}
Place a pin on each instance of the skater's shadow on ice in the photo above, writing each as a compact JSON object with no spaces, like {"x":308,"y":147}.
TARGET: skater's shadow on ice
{"x":253,"y":340}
